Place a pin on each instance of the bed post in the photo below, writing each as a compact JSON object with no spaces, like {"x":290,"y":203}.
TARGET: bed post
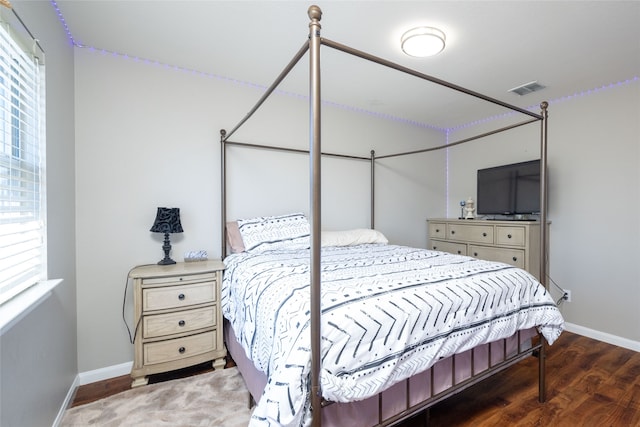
{"x":542,"y":386}
{"x":315,"y":153}
{"x":373,"y":189}
{"x":223,"y":194}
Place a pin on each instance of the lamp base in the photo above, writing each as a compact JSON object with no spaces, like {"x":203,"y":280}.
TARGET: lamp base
{"x":167,"y":249}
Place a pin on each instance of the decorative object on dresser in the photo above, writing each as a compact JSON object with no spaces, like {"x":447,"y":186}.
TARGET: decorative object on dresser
{"x":513,"y":242}
{"x":177,"y":316}
{"x":469,"y":208}
{"x":167,"y":221}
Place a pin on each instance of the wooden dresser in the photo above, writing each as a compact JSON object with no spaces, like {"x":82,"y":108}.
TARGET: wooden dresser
{"x":177,"y":317}
{"x":512,"y":242}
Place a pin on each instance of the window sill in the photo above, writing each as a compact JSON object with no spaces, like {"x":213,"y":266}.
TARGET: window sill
{"x":19,"y":306}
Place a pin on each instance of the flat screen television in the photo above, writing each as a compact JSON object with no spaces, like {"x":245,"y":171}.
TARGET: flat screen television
{"x":512,"y":189}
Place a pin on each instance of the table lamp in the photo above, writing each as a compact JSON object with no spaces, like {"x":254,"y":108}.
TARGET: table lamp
{"x":167,"y":221}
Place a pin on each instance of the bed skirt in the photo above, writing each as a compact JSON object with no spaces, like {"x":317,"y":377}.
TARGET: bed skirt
{"x":447,"y":377}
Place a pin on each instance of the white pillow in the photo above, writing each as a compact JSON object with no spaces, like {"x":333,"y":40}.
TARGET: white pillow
{"x":289,"y":231}
{"x":358,"y":236}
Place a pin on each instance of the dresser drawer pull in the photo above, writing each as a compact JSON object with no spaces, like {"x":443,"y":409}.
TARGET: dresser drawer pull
{"x":181,"y":323}
{"x":453,"y":231}
{"x":459,"y":252}
{"x":484,"y":234}
{"x":437,"y":230}
{"x":181,"y":297}
{"x":508,"y":236}
{"x":515,"y":258}
{"x":181,"y":350}
{"x":475,"y":254}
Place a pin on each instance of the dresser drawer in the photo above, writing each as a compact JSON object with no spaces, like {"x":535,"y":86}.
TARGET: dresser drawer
{"x":178,"y":322}
{"x":437,"y":230}
{"x":511,"y":236}
{"x":515,"y":257}
{"x":179,"y":348}
{"x":178,"y":296}
{"x":451,"y":247}
{"x":470,"y":233}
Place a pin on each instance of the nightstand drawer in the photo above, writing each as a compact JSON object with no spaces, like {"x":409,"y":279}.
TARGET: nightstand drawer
{"x":179,"y":280}
{"x":159,"y":325}
{"x":515,"y":257}
{"x":178,"y":296}
{"x":179,"y":348}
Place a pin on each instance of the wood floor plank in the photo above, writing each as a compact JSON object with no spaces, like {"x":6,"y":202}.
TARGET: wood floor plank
{"x":589,"y":383}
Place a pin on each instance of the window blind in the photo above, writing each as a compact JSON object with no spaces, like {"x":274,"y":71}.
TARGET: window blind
{"x":22,"y":207}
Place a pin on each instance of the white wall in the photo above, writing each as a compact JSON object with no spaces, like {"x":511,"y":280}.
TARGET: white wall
{"x":594,"y":179}
{"x":594,"y":189}
{"x":38,"y":354}
{"x":148,"y":136}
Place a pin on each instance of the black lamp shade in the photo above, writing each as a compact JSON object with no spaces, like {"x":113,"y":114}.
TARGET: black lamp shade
{"x":167,"y":221}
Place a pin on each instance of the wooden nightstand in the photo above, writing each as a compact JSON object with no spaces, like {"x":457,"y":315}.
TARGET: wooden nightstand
{"x":177,"y":316}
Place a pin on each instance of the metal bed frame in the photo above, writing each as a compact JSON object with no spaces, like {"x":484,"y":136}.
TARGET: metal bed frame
{"x":313,"y":47}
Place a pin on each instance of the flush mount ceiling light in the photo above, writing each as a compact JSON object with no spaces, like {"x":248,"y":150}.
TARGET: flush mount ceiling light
{"x":422,"y":42}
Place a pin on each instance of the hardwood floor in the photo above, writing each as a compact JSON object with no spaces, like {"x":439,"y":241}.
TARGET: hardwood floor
{"x":589,"y":383}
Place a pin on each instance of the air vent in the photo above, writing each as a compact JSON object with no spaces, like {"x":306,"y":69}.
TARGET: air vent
{"x":527,"y":88}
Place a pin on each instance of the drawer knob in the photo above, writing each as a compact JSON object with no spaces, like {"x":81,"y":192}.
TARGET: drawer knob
{"x":484,"y":234}
{"x":181,"y":297}
{"x":453,"y":231}
{"x":508,"y":236}
{"x":515,"y":258}
{"x":437,"y":230}
{"x":459,"y":252}
{"x":182,"y":350}
{"x":181,"y":323}
{"x":475,"y":254}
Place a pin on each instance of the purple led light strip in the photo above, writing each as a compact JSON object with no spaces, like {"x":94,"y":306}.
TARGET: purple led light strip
{"x":385,"y":116}
{"x":64,"y":24}
{"x":554,"y":101}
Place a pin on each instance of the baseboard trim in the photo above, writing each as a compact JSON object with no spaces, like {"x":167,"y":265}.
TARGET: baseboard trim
{"x":105,"y":373}
{"x":68,"y":400}
{"x":89,"y":377}
{"x":603,"y":336}
{"x":109,"y":372}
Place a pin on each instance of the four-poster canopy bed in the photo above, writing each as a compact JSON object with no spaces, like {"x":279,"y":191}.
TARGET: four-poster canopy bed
{"x":315,"y":318}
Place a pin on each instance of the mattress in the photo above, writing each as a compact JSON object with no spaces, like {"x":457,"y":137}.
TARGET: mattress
{"x":388,"y":313}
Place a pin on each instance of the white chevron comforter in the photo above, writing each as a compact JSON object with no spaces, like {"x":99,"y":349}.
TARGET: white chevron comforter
{"x":388,"y":312}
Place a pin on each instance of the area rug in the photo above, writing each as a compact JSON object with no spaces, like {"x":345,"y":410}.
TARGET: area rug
{"x":217,"y":398}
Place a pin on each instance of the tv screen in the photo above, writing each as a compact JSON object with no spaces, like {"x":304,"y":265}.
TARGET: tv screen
{"x":509,"y":189}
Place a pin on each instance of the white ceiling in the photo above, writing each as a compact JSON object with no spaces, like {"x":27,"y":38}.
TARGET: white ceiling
{"x":492,"y":46}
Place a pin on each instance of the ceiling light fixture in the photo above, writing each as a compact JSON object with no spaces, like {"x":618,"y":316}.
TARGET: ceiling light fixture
{"x":422,"y":42}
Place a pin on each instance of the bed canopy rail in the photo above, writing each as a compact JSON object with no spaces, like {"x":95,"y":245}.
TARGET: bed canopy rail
{"x":312,"y":46}
{"x":270,"y":89}
{"x":224,"y":143}
{"x":401,"y":68}
{"x":462,"y":141}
